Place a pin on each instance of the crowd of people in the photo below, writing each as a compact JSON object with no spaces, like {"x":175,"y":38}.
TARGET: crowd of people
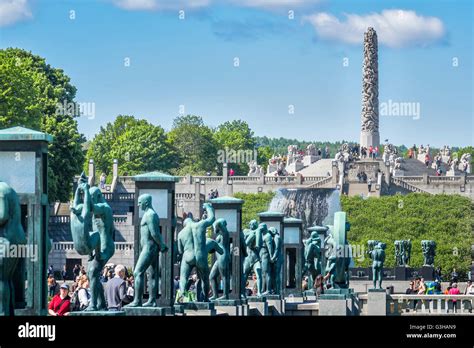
{"x":118,"y":287}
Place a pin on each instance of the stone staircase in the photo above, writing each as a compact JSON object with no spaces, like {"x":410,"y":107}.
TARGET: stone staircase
{"x":400,"y":182}
{"x":413,"y":167}
{"x":356,"y":189}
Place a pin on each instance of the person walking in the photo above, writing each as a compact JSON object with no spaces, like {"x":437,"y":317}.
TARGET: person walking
{"x":369,"y":184}
{"x":64,"y":273}
{"x":102,"y":180}
{"x":51,"y":285}
{"x":116,"y":289}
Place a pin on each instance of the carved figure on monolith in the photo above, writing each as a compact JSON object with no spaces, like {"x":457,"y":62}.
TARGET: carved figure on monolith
{"x":11,"y":235}
{"x":92,"y":231}
{"x":151,"y":243}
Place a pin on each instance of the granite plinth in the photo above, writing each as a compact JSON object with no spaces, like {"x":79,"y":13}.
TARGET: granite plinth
{"x":258,"y":306}
{"x":401,"y":273}
{"x":337,"y":294}
{"x":148,"y":311}
{"x":232,"y":307}
{"x":230,"y":302}
{"x":276,"y":304}
{"x":377,"y":302}
{"x":97,"y":314}
{"x":194,"y":306}
{"x":256,"y":299}
{"x":427,"y":272}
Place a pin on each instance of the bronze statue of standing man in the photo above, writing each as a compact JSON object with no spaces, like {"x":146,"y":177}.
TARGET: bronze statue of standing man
{"x":151,"y":243}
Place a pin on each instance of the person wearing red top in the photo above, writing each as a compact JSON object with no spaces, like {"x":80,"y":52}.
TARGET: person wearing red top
{"x":61,"y":303}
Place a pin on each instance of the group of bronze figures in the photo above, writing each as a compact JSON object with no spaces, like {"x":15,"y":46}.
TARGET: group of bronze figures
{"x":260,"y":250}
{"x":92,"y":232}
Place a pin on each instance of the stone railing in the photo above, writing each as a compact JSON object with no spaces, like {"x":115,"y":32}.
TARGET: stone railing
{"x":442,"y":179}
{"x":185,"y":196}
{"x":244,"y":179}
{"x":123,"y":219}
{"x":321,"y":182}
{"x":401,"y":304}
{"x":66,"y":246}
{"x":469,"y":179}
{"x":269,"y":179}
{"x":400,"y":182}
{"x":314,"y":179}
{"x":206,"y":179}
{"x":409,"y":179}
{"x":60,"y":219}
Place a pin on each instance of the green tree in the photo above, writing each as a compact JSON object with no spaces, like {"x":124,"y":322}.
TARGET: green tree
{"x":254,"y":203}
{"x":236,"y":144}
{"x":264,"y":154}
{"x":446,"y":219}
{"x":195,"y":145}
{"x":32,"y":95}
{"x":138,"y":145}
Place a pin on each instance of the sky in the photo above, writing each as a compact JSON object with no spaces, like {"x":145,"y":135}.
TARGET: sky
{"x":290,"y":68}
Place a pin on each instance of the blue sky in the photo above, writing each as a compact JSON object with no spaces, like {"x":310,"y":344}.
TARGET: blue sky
{"x":310,"y":62}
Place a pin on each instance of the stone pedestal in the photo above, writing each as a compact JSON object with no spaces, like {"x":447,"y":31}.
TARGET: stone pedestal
{"x":451,"y":173}
{"x":421,"y":157}
{"x":368,"y":139}
{"x":427,"y":272}
{"x":398,"y":172}
{"x":232,"y":307}
{"x":377,"y":302}
{"x":97,"y":314}
{"x":445,"y":159}
{"x":276,"y":305}
{"x":294,"y":167}
{"x":258,"y":306}
{"x":309,"y":159}
{"x":148,"y":311}
{"x":272,"y":168}
{"x":196,"y":308}
{"x":339,"y":302}
{"x":401,"y":273}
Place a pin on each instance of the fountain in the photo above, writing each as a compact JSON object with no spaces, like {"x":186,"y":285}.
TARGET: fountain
{"x":314,"y":206}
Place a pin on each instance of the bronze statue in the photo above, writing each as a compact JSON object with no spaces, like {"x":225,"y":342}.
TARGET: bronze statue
{"x":192,"y":246}
{"x":253,"y":241}
{"x":11,"y":235}
{"x":222,"y":264}
{"x":377,"y":254}
{"x":276,"y":261}
{"x":151,"y":243}
{"x":92,"y":233}
{"x":312,"y":258}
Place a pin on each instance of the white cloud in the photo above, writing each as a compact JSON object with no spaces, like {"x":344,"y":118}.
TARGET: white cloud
{"x":156,"y":5}
{"x":272,"y":4}
{"x":395,"y":28}
{"x":12,"y":11}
